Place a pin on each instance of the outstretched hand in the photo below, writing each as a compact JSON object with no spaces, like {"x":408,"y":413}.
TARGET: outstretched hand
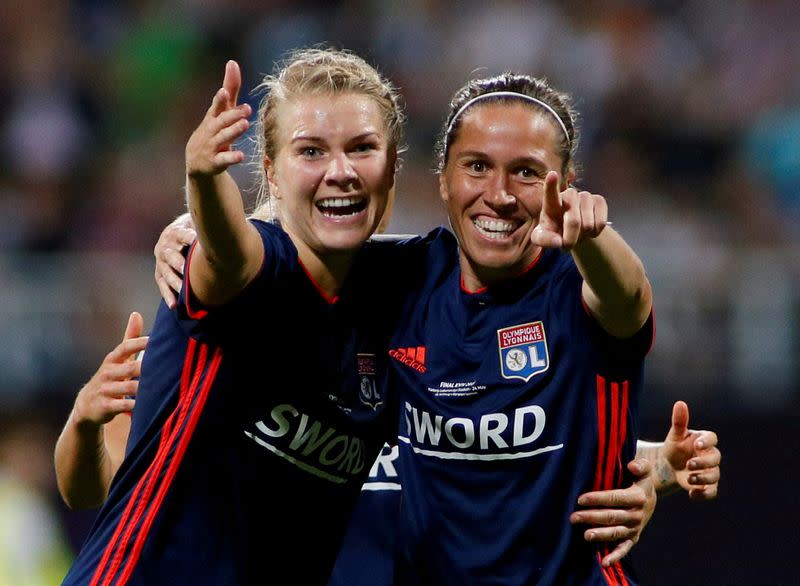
{"x":209,"y":150}
{"x":111,"y":390}
{"x":693,"y":456}
{"x":620,"y":515}
{"x":568,"y":217}
{"x":169,"y":258}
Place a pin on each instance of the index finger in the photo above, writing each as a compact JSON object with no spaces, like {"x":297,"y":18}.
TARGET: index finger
{"x":135,"y":326}
{"x":127,"y":349}
{"x":166,"y":291}
{"x":551,"y":204}
{"x":621,"y":497}
{"x":620,"y":551}
{"x":183,"y":221}
{"x":232,"y":82}
{"x":705,"y":440}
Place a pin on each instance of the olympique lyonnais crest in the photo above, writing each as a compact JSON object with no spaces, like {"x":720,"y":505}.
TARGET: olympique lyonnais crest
{"x":523,"y":350}
{"x":368,"y":389}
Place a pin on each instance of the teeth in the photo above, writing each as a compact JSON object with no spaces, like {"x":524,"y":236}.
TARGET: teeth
{"x":494,"y":228}
{"x":339,"y":202}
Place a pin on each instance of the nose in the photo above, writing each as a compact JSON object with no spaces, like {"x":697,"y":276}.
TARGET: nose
{"x":340,"y":171}
{"x":497,"y":195}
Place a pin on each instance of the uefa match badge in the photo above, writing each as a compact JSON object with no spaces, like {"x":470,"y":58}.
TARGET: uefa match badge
{"x":368,"y":390}
{"x":523,"y":350}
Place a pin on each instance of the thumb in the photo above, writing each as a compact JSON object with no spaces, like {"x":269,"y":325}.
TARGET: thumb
{"x":680,"y":422}
{"x":135,"y":327}
{"x":640,"y":467}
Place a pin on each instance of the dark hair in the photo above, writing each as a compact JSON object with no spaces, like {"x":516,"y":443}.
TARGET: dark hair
{"x":521,"y":84}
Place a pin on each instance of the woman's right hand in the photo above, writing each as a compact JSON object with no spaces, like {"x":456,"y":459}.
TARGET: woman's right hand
{"x":209,"y":151}
{"x":112,"y":388}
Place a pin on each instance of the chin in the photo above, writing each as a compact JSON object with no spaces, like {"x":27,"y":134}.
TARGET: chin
{"x":508,"y":261}
{"x":351,"y":240}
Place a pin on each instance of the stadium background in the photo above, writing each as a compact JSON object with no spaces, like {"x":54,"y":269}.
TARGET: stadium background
{"x":691,"y":128}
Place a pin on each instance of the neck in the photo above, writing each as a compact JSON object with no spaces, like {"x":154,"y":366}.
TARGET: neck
{"x":476,"y":277}
{"x":328,"y":271}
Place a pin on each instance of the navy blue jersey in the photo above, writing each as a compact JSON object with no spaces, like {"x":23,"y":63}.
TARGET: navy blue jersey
{"x":367,"y":554}
{"x":255,"y":426}
{"x":513,"y":402}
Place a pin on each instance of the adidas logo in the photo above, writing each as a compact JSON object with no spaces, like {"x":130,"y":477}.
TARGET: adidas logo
{"x":413,"y":357}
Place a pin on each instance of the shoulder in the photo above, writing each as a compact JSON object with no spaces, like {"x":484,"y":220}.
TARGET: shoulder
{"x":270,"y":231}
{"x":411,"y":257}
{"x":555,"y":270}
{"x":412,"y":246}
{"x":279,"y":250}
{"x":559,"y":263}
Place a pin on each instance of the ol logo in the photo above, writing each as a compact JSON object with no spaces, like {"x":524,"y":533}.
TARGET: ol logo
{"x":368,"y":391}
{"x":523,"y":350}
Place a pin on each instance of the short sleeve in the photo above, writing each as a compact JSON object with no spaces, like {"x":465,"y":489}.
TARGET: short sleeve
{"x":203,"y":321}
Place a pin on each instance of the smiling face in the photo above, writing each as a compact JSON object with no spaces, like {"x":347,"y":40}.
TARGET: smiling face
{"x":493,"y":184}
{"x":332,"y":172}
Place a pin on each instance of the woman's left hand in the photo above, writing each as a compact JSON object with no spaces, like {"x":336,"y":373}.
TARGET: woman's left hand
{"x":618,"y":516}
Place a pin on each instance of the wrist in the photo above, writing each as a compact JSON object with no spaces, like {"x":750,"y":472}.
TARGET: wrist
{"x":664,"y":477}
{"x":82,"y":423}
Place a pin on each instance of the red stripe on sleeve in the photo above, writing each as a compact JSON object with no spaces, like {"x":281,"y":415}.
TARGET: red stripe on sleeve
{"x":173,"y":467}
{"x":140,"y":498}
{"x":613,"y":438}
{"x":623,"y":430}
{"x":158,"y":464}
{"x":145,"y":480}
{"x":607,"y":573}
{"x":601,"y":431}
{"x":623,"y":580}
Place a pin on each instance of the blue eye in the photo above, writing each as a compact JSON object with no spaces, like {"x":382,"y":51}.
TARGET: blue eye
{"x":311,"y":152}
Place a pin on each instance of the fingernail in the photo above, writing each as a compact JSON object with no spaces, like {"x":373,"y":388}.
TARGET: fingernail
{"x":692,"y":464}
{"x":693,"y":479}
{"x":700,"y":444}
{"x":581,"y":500}
{"x":590,"y":536}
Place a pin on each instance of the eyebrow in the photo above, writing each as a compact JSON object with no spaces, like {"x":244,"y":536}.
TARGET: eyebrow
{"x":472,"y":154}
{"x":313,"y":138}
{"x":515,"y":161}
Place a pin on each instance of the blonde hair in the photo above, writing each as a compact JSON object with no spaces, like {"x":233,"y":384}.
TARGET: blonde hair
{"x":318,"y":71}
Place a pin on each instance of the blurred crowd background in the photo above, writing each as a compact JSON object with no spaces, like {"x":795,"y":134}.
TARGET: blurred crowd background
{"x":690,"y":127}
